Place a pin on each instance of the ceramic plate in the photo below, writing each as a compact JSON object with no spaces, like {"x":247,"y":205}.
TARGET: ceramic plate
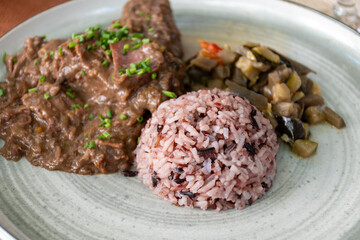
{"x":316,"y":198}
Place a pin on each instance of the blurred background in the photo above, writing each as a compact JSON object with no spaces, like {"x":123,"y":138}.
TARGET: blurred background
{"x":15,"y":12}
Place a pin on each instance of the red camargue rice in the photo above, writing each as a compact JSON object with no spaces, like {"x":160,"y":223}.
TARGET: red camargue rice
{"x":208,"y":149}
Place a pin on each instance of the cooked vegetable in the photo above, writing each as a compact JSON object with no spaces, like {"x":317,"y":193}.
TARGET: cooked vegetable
{"x":294,"y":82}
{"x":257,"y":100}
{"x":297,"y":96}
{"x":246,"y":67}
{"x":315,"y":89}
{"x":227,"y":56}
{"x":314,"y":115}
{"x":205,"y":63}
{"x":304,"y":148}
{"x":333,"y":118}
{"x":312,"y":100}
{"x":293,"y":128}
{"x":286,"y":109}
{"x":276,"y":85}
{"x":280,"y":93}
{"x":267,"y":53}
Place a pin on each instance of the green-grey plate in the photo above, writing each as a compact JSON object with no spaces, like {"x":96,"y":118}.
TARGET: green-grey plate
{"x":316,"y":198}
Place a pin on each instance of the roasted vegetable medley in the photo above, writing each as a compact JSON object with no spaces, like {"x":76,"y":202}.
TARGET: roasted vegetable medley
{"x":275,"y":84}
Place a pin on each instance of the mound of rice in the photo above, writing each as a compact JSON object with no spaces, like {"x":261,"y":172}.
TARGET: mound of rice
{"x":208,"y":149}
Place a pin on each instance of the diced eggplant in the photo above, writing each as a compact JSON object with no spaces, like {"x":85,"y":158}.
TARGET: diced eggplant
{"x":315,"y":89}
{"x":196,"y":74}
{"x":251,"y":44}
{"x":284,"y":72}
{"x":254,"y":98}
{"x":267,"y":53}
{"x":304,"y":148}
{"x":250,"y":55}
{"x":261,"y":82}
{"x":239,"y":77}
{"x":298,"y":67}
{"x":312,"y":100}
{"x":245,"y":65}
{"x":273,"y":78}
{"x":297,"y":96}
{"x":261,"y":66}
{"x":205,"y":63}
{"x":241,"y":50}
{"x":280,"y":93}
{"x":294,"y":82}
{"x":215,"y":83}
{"x":314,"y":115}
{"x":292,"y":127}
{"x":227,"y":56}
{"x":307,"y":130}
{"x":286,"y":109}
{"x":333,"y":118}
{"x":221,"y":71}
{"x":306,"y":84}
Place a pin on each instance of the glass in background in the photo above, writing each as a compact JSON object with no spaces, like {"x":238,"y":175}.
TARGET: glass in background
{"x":346,"y":11}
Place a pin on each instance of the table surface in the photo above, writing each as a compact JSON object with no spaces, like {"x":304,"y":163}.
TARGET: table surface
{"x":15,"y":12}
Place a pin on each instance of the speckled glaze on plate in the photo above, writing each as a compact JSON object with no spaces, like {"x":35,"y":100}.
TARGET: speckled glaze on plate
{"x":317,"y":198}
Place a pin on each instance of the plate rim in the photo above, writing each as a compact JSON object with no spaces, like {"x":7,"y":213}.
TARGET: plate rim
{"x":354,"y":231}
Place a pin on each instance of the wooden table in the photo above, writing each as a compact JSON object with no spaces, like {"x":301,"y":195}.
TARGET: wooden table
{"x":17,"y":11}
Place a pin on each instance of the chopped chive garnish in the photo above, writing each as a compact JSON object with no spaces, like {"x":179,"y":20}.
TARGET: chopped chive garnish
{"x":150,"y":30}
{"x":3,"y":57}
{"x":2,"y":92}
{"x":89,"y":47}
{"x":105,"y":63}
{"x":86,"y":145}
{"x":86,"y":106}
{"x":136,"y":46}
{"x":70,"y":94}
{"x":44,"y":36}
{"x":123,"y":117}
{"x":148,"y":16}
{"x":108,"y":125}
{"x":75,"y":106}
{"x":138,"y":140}
{"x":36,"y":63}
{"x":47,"y":96}
{"x":126,"y":46}
{"x":32,"y":90}
{"x":137,"y":35}
{"x":106,"y":134}
{"x":140,"y":72}
{"x":116,"y":25}
{"x":102,"y":124}
{"x":91,"y":116}
{"x":86,"y":136}
{"x":122,"y":71}
{"x":14,"y":60}
{"x":101,"y":137}
{"x":91,"y":144}
{"x":108,"y":52}
{"x":83,"y":72}
{"x":109,"y":113}
{"x":128,"y":72}
{"x":42,"y":79}
{"x":141,"y":14}
{"x":72,"y":44}
{"x":153,"y":75}
{"x":52,"y":53}
{"x":101,"y":117}
{"x":140,"y":119}
{"x":169,"y":94}
{"x":61,"y":51}
{"x":146,"y":40}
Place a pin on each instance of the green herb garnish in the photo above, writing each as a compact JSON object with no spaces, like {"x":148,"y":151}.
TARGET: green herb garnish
{"x":169,"y":94}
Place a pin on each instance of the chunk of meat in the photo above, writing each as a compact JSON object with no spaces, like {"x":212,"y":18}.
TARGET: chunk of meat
{"x":140,"y":16}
